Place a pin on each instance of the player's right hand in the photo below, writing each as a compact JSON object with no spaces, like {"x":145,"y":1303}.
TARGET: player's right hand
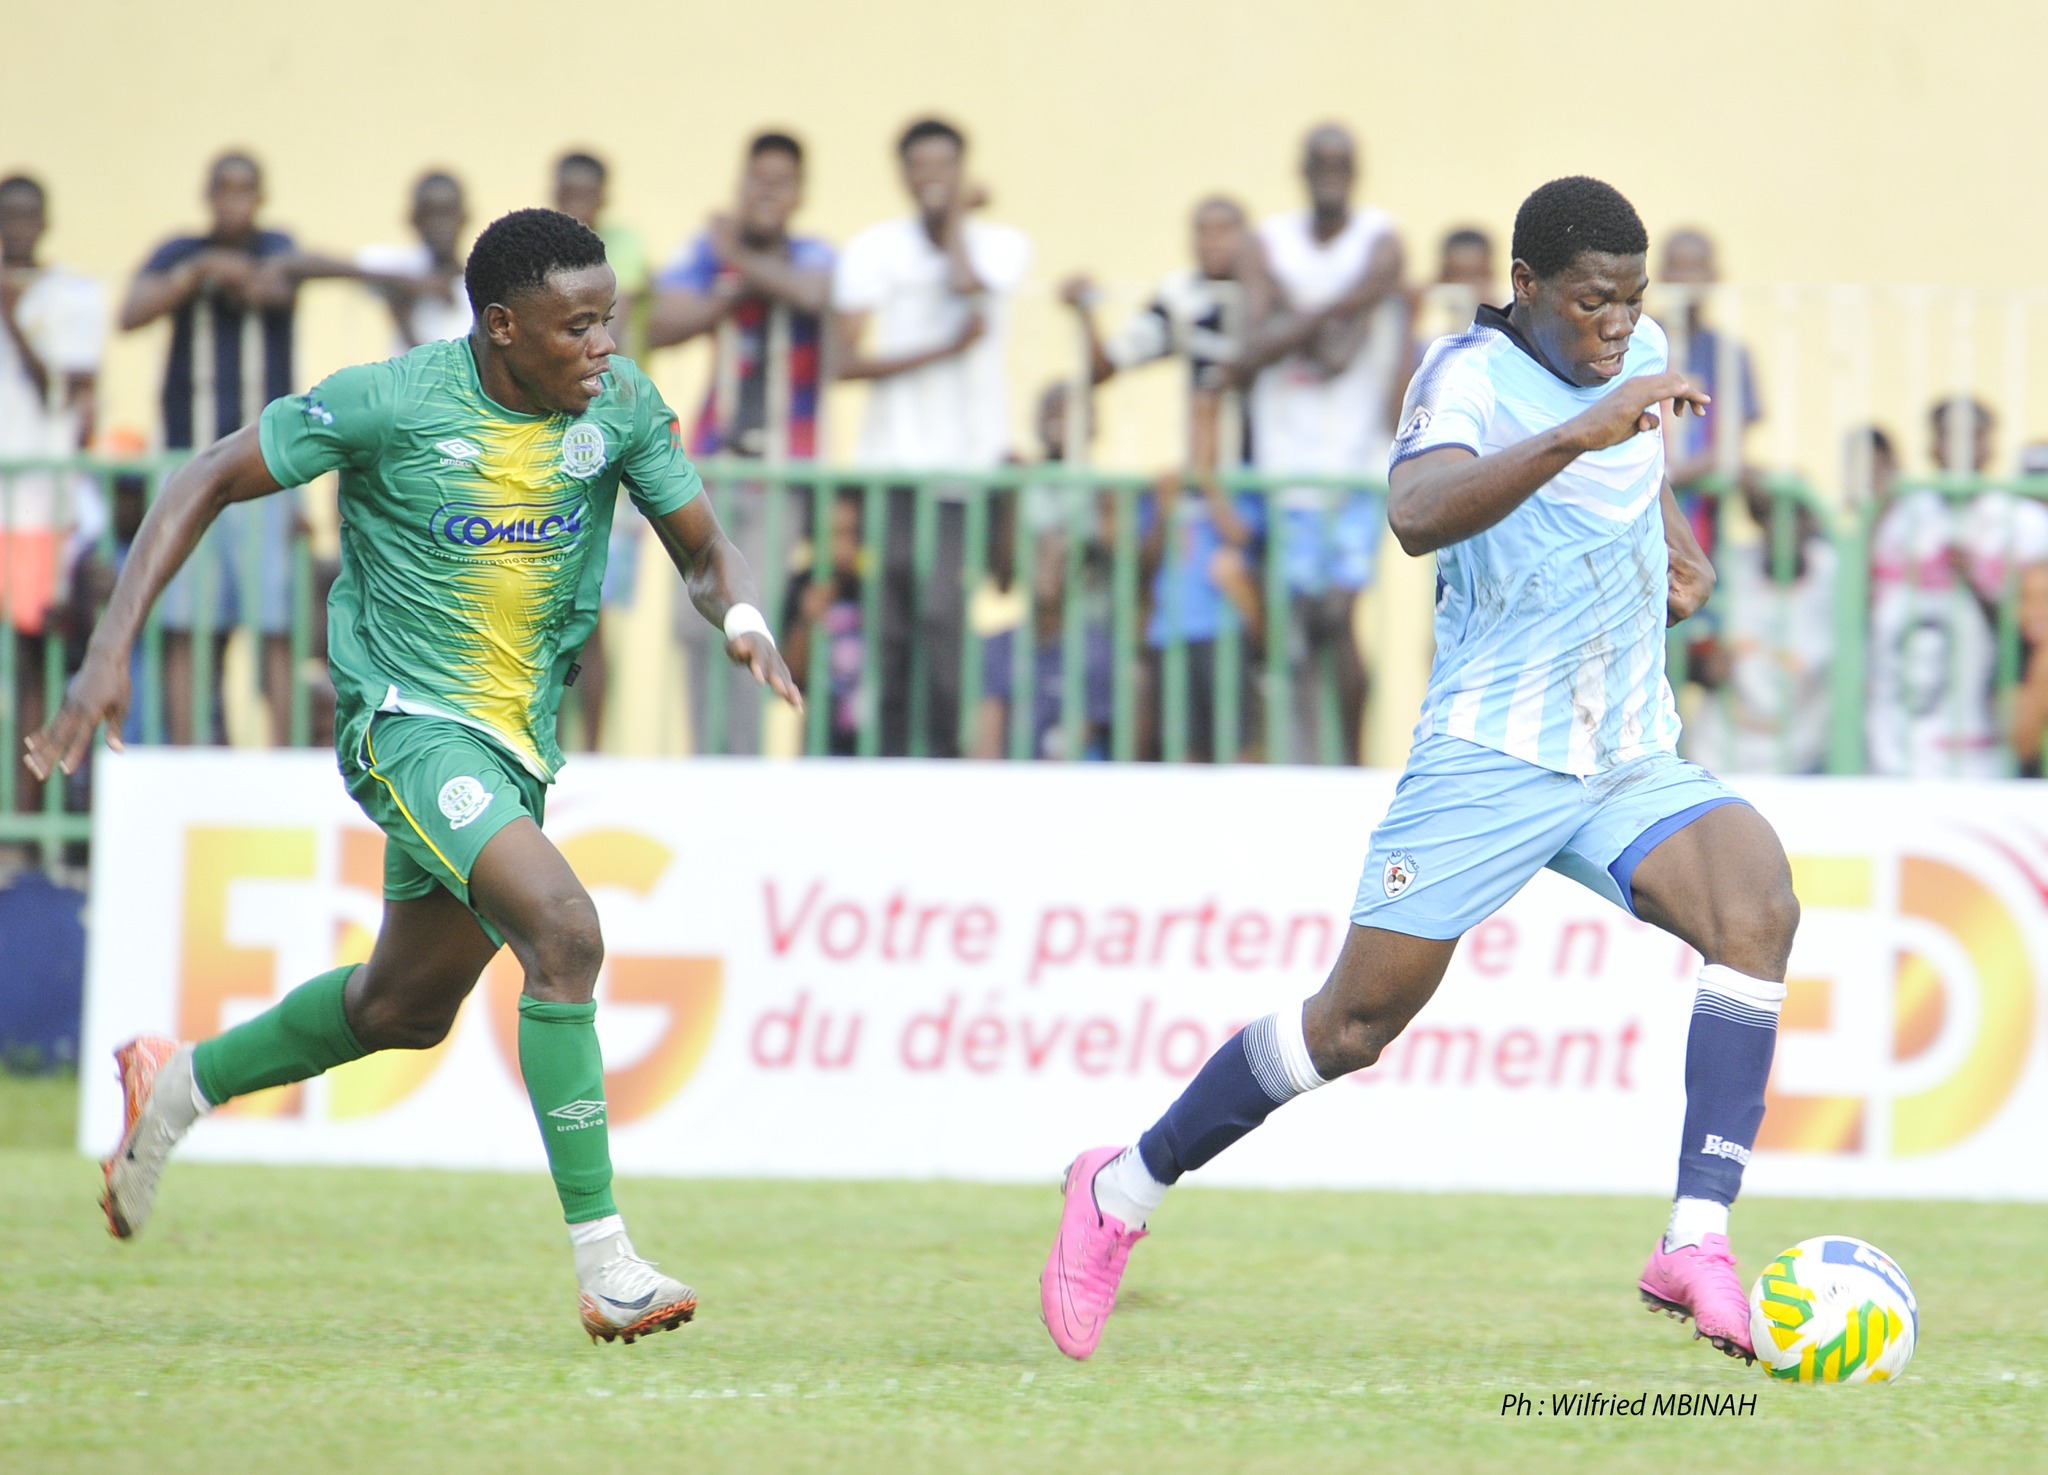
{"x":1630,"y":409}
{"x":100,"y":692}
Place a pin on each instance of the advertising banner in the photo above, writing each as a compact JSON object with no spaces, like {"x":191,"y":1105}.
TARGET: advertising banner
{"x":889,"y":969}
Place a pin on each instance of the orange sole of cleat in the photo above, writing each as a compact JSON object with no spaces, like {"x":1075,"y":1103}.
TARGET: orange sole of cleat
{"x":1676,"y":1312}
{"x":665,"y":1320}
{"x":114,"y":1225}
{"x":135,"y":1066}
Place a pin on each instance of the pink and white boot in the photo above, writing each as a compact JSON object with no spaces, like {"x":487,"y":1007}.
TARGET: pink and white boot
{"x":1077,"y":1288}
{"x":1699,"y":1281}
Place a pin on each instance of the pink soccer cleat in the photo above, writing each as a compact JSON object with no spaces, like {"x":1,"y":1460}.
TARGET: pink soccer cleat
{"x":1077,"y":1288}
{"x":1700,"y":1281}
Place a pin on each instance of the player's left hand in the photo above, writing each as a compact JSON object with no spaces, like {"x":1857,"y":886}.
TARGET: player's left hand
{"x":758,"y":654}
{"x":1691,"y":582}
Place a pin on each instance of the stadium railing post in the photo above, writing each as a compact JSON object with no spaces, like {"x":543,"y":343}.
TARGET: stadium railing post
{"x":708,"y":726}
{"x":1123,"y":580}
{"x":924,"y":539}
{"x":974,"y":555}
{"x":1077,"y":502}
{"x":1848,"y":693}
{"x":154,"y":697}
{"x":1173,"y":676}
{"x":1024,"y":639}
{"x":1279,"y":675}
{"x":818,"y":713}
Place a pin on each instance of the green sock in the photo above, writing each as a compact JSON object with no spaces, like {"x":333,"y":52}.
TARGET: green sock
{"x":564,"y":1073}
{"x":301,"y":1036}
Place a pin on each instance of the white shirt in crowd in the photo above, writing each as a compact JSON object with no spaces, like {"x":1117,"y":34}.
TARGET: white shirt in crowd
{"x":1302,"y":420}
{"x":63,"y":317}
{"x":1933,"y":646}
{"x":954,"y":412}
{"x":432,"y":317}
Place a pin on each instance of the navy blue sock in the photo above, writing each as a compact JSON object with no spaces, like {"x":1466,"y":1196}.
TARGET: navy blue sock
{"x":1727,"y":1065}
{"x":1260,"y":1067}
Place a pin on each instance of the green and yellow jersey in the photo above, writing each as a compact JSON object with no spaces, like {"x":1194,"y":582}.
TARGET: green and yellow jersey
{"x":472,"y":537}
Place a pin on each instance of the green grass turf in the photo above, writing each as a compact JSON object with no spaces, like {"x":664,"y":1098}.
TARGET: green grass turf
{"x":316,"y":1320}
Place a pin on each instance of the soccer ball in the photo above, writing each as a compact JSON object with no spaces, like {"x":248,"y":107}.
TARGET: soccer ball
{"x":1833,"y":1310}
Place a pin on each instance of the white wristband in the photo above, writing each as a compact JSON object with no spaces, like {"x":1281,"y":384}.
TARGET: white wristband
{"x":744,"y":619}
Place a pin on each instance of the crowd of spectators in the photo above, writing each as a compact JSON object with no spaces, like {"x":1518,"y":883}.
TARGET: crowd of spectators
{"x":1294,"y":338}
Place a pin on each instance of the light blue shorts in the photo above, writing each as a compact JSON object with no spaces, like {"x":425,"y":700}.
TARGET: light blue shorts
{"x":1469,"y":826}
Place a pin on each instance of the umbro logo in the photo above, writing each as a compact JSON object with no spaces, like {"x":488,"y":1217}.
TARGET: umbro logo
{"x":578,"y":1114}
{"x":458,"y":449}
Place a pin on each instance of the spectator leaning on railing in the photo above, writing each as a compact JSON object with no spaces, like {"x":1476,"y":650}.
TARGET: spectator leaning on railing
{"x":760,"y":291}
{"x":231,"y":295}
{"x":421,"y":280}
{"x":1196,"y":315}
{"x":52,"y":323}
{"x":923,"y":313}
{"x":1327,"y":333}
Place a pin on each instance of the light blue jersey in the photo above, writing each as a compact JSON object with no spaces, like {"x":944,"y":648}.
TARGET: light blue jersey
{"x":1550,"y":624}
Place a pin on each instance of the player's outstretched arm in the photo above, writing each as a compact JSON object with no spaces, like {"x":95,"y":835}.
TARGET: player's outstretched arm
{"x":1692,"y":573}
{"x":718,"y":580}
{"x":229,"y":470}
{"x":1446,"y":495}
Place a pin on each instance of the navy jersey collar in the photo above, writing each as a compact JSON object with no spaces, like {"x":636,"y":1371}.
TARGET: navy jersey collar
{"x":1500,"y":322}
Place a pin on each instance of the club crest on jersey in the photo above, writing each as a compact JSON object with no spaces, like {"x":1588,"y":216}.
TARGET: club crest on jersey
{"x":464,"y":800}
{"x":1400,"y":873}
{"x":583,"y":453}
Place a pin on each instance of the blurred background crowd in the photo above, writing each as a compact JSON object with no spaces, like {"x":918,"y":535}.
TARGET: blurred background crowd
{"x":972,"y":540}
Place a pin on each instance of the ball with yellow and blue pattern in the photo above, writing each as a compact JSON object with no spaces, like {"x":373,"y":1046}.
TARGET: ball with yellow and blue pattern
{"x":1833,"y":1310}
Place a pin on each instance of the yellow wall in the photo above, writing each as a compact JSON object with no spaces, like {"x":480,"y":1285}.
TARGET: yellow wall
{"x":1876,"y":141}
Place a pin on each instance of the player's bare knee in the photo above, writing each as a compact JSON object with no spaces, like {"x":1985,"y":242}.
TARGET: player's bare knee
{"x":565,"y":952}
{"x":1754,"y":935}
{"x":1343,"y":1038}
{"x":382,"y":1021}
{"x":420,"y":1030}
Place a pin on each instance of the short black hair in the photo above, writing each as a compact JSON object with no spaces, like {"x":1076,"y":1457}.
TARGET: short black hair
{"x":1956,"y":404}
{"x":518,"y":252}
{"x":588,"y":163}
{"x":232,"y":159}
{"x":925,"y":128}
{"x":1567,"y":218}
{"x":435,"y":179}
{"x":775,"y":142}
{"x":24,"y":184}
{"x":1468,"y":237}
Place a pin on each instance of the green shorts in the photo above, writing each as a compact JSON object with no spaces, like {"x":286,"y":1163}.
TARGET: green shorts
{"x":439,"y":791}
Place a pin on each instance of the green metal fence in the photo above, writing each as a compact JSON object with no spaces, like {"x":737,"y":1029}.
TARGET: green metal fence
{"x":1075,"y":560}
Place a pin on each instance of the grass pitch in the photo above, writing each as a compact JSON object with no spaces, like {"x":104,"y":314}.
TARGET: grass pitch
{"x":317,"y":1320}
